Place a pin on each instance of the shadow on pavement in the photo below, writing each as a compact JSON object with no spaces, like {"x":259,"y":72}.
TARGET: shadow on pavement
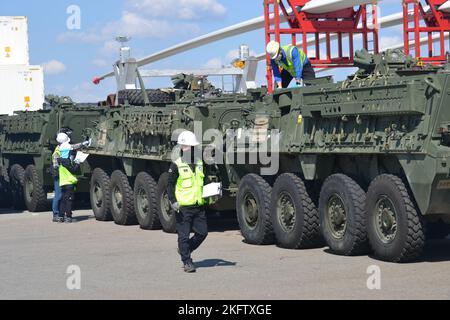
{"x":82,"y":218}
{"x":6,"y":211}
{"x":211,"y":263}
{"x":436,"y":251}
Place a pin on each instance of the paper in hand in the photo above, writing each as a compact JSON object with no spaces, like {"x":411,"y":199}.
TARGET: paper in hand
{"x":212,"y":190}
{"x":81,"y":157}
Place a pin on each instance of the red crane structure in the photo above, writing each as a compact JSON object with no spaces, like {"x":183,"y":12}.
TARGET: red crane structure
{"x":430,"y":23}
{"x":316,"y":28}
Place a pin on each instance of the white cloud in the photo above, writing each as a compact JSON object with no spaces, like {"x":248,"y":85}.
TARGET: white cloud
{"x":54,"y":67}
{"x":181,"y":9}
{"x":387,"y":42}
{"x":215,"y":63}
{"x":218,"y":62}
{"x":57,"y":89}
{"x":234,"y":54}
{"x":88,"y":92}
{"x":110,"y":47}
{"x":74,"y":36}
{"x":133,"y":25}
{"x":101,"y":63}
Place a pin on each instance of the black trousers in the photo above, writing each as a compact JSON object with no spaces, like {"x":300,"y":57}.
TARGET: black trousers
{"x":188,"y":219}
{"x":65,"y":204}
{"x":308,"y":74}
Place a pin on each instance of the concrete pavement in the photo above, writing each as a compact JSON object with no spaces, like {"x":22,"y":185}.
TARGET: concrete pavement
{"x":119,"y":262}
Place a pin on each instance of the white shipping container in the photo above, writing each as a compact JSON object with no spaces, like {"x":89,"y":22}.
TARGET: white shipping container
{"x":21,"y":89}
{"x":14,"y":41}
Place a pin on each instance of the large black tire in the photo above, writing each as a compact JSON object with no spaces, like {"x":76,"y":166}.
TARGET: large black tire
{"x":165,"y":213}
{"x":100,"y":195}
{"x":294,"y":216}
{"x":35,"y":195}
{"x":145,"y":203}
{"x":343,"y":216}
{"x":122,"y":202}
{"x":135,"y":97}
{"x":395,"y":229}
{"x":5,"y":189}
{"x":253,"y":210}
{"x":17,"y":177}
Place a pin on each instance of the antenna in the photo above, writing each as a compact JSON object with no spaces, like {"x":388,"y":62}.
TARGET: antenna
{"x":125,"y":51}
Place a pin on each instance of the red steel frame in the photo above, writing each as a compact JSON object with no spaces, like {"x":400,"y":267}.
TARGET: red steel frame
{"x":427,"y":22}
{"x":323,"y":28}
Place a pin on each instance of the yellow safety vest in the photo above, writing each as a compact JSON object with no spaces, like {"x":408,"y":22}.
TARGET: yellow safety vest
{"x":189,"y":187}
{"x":66,"y":178}
{"x":290,"y":67}
{"x":56,"y":152}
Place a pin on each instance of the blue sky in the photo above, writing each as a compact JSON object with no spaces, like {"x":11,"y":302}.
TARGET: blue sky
{"x":73,"y":57}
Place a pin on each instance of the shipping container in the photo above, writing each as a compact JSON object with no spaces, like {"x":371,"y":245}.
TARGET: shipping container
{"x":22,"y":88}
{"x":14,"y":41}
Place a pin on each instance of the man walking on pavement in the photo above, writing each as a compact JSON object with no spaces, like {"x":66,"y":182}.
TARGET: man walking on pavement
{"x":293,"y":62}
{"x":185,"y":191}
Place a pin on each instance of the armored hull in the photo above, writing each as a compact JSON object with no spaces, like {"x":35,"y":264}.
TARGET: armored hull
{"x":362,"y":163}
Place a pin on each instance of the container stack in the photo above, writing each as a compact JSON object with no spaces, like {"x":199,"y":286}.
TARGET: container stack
{"x":21,"y":85}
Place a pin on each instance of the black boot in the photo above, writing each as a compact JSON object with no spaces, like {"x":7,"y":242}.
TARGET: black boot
{"x":189,"y":267}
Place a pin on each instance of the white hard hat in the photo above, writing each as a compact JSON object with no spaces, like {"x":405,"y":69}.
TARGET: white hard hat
{"x":273,"y":48}
{"x":62,"y":138}
{"x":187,"y":138}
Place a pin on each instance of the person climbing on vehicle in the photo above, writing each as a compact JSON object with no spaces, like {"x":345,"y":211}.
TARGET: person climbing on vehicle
{"x":67,"y":180}
{"x":185,"y":191}
{"x":289,"y":62}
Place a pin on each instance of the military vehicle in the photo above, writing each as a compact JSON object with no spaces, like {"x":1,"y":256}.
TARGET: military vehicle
{"x":27,"y":141}
{"x":363,"y":163}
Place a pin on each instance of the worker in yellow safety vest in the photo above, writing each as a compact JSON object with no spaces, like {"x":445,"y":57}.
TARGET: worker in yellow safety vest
{"x":185,"y":192}
{"x":289,"y":62}
{"x":67,"y":180}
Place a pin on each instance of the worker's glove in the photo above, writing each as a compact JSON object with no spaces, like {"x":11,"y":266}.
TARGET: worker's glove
{"x":87,"y":143}
{"x":214,"y":199}
{"x":175,"y":206}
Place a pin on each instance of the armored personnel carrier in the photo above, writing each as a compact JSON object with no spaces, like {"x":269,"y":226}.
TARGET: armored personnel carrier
{"x":27,"y":141}
{"x":363,"y":164}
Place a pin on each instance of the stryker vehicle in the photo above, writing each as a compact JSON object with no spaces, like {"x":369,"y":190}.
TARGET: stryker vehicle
{"x":27,"y":142}
{"x":363,"y":163}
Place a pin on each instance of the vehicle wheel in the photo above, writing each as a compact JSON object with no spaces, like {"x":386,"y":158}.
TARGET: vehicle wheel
{"x":343,"y":216}
{"x":395,"y":229}
{"x":437,"y":230}
{"x":165,"y":212}
{"x":253,"y":210}
{"x":122,"y":202}
{"x":100,"y":195}
{"x":5,"y":189}
{"x":17,"y":177}
{"x":145,"y":202}
{"x":35,"y":195}
{"x":294,"y":216}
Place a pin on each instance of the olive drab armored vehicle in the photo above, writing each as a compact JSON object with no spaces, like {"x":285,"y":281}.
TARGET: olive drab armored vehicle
{"x":27,"y":142}
{"x":363,"y":163}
